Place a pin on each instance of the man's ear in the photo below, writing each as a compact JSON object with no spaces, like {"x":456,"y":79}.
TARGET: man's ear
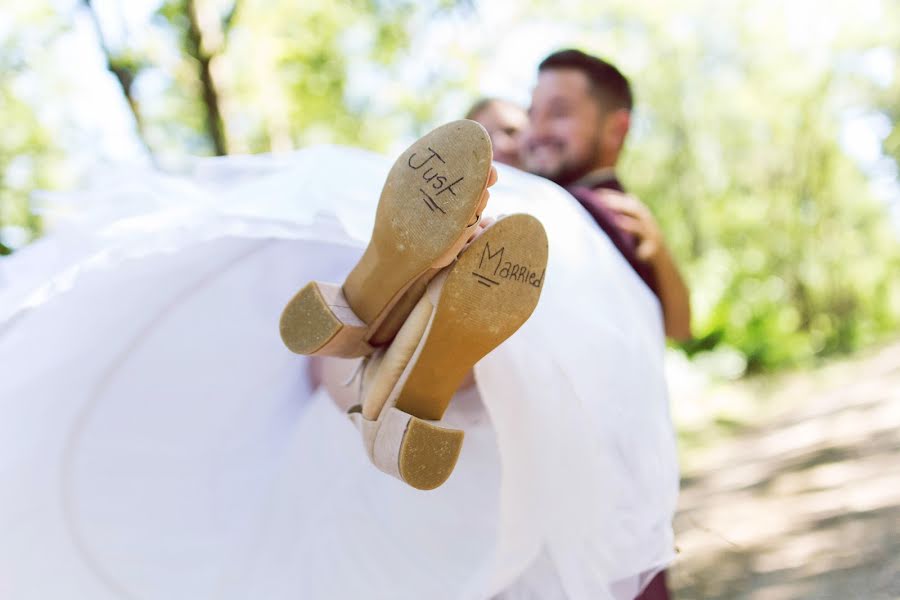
{"x":616,"y":128}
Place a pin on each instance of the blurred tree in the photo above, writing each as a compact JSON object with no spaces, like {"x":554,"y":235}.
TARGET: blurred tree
{"x":737,"y":144}
{"x":199,"y":47}
{"x":25,"y":148}
{"x":789,"y":253}
{"x":125,"y":65}
{"x":274,"y":75}
{"x":890,"y":96}
{"x":28,"y":153}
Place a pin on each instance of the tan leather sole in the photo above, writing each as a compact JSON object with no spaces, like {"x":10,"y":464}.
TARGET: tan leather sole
{"x":429,"y":205}
{"x":487,"y":295}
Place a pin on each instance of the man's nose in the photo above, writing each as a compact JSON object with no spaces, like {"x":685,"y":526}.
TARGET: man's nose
{"x":537,"y":127}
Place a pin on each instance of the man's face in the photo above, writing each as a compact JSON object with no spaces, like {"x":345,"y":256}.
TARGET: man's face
{"x":563,"y":141}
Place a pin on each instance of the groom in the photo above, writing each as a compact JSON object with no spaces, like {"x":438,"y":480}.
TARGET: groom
{"x":579,"y":117}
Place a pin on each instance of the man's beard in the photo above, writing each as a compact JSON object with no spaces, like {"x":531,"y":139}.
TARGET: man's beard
{"x":570,"y":171}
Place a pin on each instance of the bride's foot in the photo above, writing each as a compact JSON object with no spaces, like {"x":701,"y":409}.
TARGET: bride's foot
{"x":429,"y":208}
{"x":467,"y":311}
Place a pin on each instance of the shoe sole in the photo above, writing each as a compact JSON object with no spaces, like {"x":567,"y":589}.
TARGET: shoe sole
{"x":489,"y":293}
{"x":432,"y":194}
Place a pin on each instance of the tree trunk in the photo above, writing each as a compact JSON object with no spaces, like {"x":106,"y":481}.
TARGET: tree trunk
{"x":215,"y":126}
{"x":125,"y":75}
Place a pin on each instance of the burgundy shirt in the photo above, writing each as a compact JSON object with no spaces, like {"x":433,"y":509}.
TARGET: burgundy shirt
{"x":585,"y":191}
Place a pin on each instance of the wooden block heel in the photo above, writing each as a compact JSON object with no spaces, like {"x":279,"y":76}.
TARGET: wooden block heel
{"x":428,"y":454}
{"x":430,"y":205}
{"x":470,"y":309}
{"x":318,"y":320}
{"x":421,"y":453}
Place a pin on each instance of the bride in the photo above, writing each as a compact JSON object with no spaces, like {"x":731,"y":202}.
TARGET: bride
{"x":157,"y":439}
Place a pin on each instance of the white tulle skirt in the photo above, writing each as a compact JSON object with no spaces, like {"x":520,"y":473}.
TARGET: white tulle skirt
{"x":158,"y":441}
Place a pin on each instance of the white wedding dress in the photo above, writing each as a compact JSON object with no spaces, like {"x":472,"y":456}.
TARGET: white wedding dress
{"x":157,"y":441}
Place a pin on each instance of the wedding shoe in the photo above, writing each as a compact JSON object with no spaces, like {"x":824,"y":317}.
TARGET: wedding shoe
{"x":429,"y":208}
{"x":467,"y":311}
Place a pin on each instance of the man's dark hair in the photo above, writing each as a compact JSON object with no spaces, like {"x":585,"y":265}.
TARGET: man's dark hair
{"x":607,"y":83}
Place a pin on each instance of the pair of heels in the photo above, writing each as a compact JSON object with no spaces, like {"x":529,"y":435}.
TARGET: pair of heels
{"x":427,"y":300}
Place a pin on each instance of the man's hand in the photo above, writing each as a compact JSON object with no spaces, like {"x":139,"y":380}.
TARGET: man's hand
{"x":635,"y":218}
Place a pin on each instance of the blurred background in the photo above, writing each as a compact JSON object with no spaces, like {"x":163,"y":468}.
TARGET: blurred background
{"x":766,"y":142}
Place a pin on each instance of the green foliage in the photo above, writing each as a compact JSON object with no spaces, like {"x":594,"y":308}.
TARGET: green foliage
{"x":891,"y":102}
{"x":28,"y":154}
{"x":789,"y":254}
{"x":283,"y":69}
{"x":24,"y":150}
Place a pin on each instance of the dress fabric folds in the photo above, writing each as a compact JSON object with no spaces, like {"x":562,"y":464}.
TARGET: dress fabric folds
{"x":157,"y":441}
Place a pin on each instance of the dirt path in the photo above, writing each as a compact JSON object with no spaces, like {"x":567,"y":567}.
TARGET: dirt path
{"x":804,"y":502}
